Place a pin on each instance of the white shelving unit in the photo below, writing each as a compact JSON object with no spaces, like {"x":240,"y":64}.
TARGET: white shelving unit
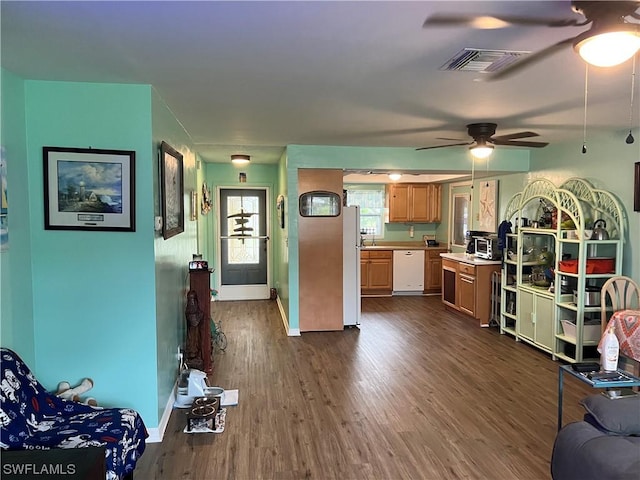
{"x":536,"y":314}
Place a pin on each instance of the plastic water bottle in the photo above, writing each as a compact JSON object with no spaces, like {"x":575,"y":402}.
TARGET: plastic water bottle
{"x":610,"y":351}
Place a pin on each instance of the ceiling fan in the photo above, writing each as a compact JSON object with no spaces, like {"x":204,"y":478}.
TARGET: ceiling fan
{"x":610,"y":22}
{"x":484,"y":140}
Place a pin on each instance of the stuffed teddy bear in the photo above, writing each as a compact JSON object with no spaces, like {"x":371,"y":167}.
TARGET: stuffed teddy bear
{"x":67,"y":393}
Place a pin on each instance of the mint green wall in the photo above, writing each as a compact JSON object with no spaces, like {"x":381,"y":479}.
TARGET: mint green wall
{"x":16,"y":291}
{"x":172,"y":255}
{"x":280,"y":242}
{"x":608,"y":165}
{"x":226,"y":175}
{"x":94,"y":301}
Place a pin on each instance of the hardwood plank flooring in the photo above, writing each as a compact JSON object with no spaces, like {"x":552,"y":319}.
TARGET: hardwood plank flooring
{"x":418,"y":392}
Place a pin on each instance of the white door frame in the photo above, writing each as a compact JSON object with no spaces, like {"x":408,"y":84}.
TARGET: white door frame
{"x":243,"y":292}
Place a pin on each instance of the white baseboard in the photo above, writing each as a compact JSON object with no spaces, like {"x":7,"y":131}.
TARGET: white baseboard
{"x":291,"y":332}
{"x":157,"y":434}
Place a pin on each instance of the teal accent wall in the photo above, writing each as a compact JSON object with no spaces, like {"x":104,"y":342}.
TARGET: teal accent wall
{"x":172,"y":255}
{"x":16,"y":272}
{"x":94,"y":299}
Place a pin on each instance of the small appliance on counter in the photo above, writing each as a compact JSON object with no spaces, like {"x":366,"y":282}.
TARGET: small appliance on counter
{"x":470,"y":237}
{"x":488,"y":248}
{"x":430,"y":240}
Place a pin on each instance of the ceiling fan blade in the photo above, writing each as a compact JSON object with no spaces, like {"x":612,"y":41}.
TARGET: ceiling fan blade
{"x":512,"y":136}
{"x":442,"y":146}
{"x":518,"y":143}
{"x":498,"y":21}
{"x":530,"y":59}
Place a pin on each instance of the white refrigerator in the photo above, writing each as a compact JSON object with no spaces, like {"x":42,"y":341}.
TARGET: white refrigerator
{"x":351,"y":266}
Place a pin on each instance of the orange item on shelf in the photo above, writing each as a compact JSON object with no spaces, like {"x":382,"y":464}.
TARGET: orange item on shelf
{"x":594,"y":265}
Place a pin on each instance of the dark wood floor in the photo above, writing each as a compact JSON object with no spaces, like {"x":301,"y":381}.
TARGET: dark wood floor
{"x":418,"y":392}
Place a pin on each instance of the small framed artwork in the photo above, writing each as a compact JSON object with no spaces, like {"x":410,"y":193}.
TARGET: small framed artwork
{"x":280,"y":209}
{"x":89,"y":189}
{"x":172,"y":189}
{"x":636,"y":189}
{"x":488,"y":203}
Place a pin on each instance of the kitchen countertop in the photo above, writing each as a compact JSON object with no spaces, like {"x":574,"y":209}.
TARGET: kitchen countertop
{"x":470,"y":259}
{"x":401,"y":247}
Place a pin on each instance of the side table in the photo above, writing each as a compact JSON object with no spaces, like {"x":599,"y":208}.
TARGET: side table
{"x":632,"y":382}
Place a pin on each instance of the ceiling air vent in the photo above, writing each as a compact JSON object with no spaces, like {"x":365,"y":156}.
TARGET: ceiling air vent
{"x":486,"y":61}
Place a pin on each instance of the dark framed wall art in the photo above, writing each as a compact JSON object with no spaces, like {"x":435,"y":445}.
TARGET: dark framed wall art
{"x":172,"y":188}
{"x":89,"y":189}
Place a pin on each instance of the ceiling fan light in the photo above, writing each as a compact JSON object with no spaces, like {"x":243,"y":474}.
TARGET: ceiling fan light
{"x":240,"y":159}
{"x":481,"y":151}
{"x":395,"y":176}
{"x":609,"y":48}
{"x":488,"y":23}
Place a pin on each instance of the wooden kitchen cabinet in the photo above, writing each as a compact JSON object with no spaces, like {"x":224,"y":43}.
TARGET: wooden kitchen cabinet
{"x":376,"y":272}
{"x":415,"y":202}
{"x":467,"y":288}
{"x":450,"y":282}
{"x":433,"y":270}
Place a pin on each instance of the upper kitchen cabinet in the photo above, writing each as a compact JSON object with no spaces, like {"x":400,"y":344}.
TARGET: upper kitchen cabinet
{"x":415,"y":202}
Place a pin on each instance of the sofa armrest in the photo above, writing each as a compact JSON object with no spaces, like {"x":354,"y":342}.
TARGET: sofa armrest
{"x":582,"y":452}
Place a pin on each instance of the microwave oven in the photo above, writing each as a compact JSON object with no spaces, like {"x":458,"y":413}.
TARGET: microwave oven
{"x":488,"y":248}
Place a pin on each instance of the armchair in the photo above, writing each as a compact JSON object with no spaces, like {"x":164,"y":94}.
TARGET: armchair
{"x":621,"y":296}
{"x":33,"y":419}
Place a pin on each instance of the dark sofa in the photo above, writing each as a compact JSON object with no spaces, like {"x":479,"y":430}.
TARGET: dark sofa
{"x":605,"y":445}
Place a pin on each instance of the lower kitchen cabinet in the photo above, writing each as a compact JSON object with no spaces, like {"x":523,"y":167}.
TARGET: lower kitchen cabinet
{"x":466,"y":286}
{"x":536,"y":314}
{"x":376,"y":272}
{"x":433,"y":270}
{"x":467,"y":292}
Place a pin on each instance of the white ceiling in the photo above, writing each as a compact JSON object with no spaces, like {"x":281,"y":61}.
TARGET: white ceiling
{"x":252,"y":77}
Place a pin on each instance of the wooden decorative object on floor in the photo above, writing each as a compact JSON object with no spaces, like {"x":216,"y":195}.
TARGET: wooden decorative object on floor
{"x":199,"y":281}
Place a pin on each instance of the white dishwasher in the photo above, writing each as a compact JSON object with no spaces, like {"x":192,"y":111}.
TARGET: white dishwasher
{"x":408,"y":272}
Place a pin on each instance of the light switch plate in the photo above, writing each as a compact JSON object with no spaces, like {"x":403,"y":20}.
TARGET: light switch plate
{"x":158,"y":223}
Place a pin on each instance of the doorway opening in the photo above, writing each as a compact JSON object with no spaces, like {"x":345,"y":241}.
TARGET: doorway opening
{"x":243,"y":244}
